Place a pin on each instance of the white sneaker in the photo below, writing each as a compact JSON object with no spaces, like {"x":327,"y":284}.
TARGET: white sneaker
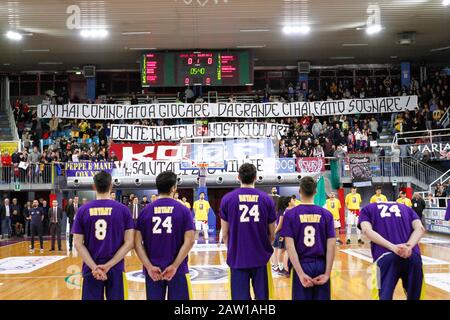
{"x":41,"y":251}
{"x":31,"y":251}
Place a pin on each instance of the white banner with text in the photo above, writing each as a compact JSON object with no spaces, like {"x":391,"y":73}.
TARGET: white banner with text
{"x":227,"y":110}
{"x":131,"y":132}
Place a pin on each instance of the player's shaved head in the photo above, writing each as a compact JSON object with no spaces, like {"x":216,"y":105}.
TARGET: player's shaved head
{"x":165,"y":181}
{"x":308,"y":186}
{"x":102,"y":182}
{"x":247,"y":173}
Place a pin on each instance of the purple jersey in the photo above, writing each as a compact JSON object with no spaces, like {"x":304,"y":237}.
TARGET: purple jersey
{"x":248,"y":212}
{"x":163,"y":224}
{"x":447,"y":214}
{"x":310,"y":226}
{"x":103,"y":224}
{"x":393,"y":221}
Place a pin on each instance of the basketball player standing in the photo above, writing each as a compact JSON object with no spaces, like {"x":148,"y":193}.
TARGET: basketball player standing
{"x":164,"y":237}
{"x":394,"y":231}
{"x":103,"y":234}
{"x":310,"y":241}
{"x":248,"y":224}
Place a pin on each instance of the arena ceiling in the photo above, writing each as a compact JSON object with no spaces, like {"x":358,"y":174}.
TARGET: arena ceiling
{"x":337,"y":34}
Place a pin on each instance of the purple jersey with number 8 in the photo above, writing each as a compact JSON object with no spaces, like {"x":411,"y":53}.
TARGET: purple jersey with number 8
{"x":310,"y":226}
{"x":103,"y":224}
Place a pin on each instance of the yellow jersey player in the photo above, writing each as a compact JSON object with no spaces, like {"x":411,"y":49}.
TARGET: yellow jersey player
{"x":353,"y":204}
{"x":334,"y":205}
{"x":378,"y":196}
{"x":404,"y":200}
{"x":201,"y":209}
{"x":186,"y":203}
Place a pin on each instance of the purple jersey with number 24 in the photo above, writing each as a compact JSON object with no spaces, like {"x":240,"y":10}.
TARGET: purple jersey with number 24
{"x":310,"y":226}
{"x":249,"y":212}
{"x":393,"y":221}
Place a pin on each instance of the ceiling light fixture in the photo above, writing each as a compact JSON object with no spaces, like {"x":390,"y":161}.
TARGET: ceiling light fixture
{"x":13,"y":35}
{"x":342,"y":58}
{"x":141,"y":49}
{"x":36,"y":50}
{"x":254,"y":30}
{"x":440,"y":49}
{"x":251,"y":46}
{"x":373,"y":29}
{"x":129,"y":33}
{"x":49,"y":63}
{"x":94,"y":33}
{"x":296,"y":30}
{"x":355,"y":44}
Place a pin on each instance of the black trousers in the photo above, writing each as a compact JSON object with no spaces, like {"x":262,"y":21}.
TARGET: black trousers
{"x":70,"y":236}
{"x":36,"y":229}
{"x":55,"y":230}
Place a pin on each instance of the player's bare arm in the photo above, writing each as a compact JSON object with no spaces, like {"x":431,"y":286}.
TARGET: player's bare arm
{"x":189,"y":240}
{"x":279,"y":225}
{"x":153,"y":271}
{"x":306,"y":280}
{"x":224,"y":225}
{"x":78,"y":240}
{"x":375,"y":237}
{"x":272,"y":232}
{"x":331,"y":249}
{"x":128,"y":244}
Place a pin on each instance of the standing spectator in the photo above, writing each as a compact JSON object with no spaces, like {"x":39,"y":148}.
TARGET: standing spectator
{"x":45,"y":222}
{"x":373,"y":126}
{"x":395,"y":161}
{"x":16,"y":218}
{"x":6,"y":167}
{"x":418,"y":204}
{"x":316,"y":128}
{"x":135,"y":209}
{"x":25,"y":215}
{"x":5,"y":214}
{"x":17,"y":223}
{"x":53,"y":124}
{"x":55,"y":216}
{"x":71,"y":213}
{"x":35,"y":157}
{"x":36,"y":216}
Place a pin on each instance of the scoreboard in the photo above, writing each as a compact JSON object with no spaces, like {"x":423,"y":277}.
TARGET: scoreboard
{"x":207,"y":68}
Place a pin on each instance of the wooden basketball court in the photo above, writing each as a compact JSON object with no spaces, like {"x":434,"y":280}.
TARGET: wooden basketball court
{"x":25,"y":279}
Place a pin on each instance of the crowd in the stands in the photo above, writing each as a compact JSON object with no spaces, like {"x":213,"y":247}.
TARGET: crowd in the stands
{"x":309,"y":136}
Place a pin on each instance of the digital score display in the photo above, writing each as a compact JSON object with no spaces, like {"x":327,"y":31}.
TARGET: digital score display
{"x":212,"y":68}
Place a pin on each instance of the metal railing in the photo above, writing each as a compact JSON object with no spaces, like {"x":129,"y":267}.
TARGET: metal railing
{"x":28,"y":176}
{"x":12,"y":122}
{"x":436,"y":202}
{"x":445,"y":119}
{"x":440,"y":180}
{"x":407,"y":167}
{"x":427,"y":136}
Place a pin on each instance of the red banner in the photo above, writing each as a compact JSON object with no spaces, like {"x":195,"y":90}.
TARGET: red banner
{"x":144,"y":152}
{"x":310,"y":165}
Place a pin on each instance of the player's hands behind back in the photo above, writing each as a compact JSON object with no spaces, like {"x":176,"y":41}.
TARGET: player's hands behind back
{"x":306,"y":280}
{"x":169,"y":272}
{"x":99,"y":274}
{"x":321,"y":280}
{"x":154,"y":273}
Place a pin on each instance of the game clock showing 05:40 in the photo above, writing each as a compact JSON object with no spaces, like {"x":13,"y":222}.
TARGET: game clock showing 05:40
{"x":197,"y":68}
{"x":209,"y":68}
